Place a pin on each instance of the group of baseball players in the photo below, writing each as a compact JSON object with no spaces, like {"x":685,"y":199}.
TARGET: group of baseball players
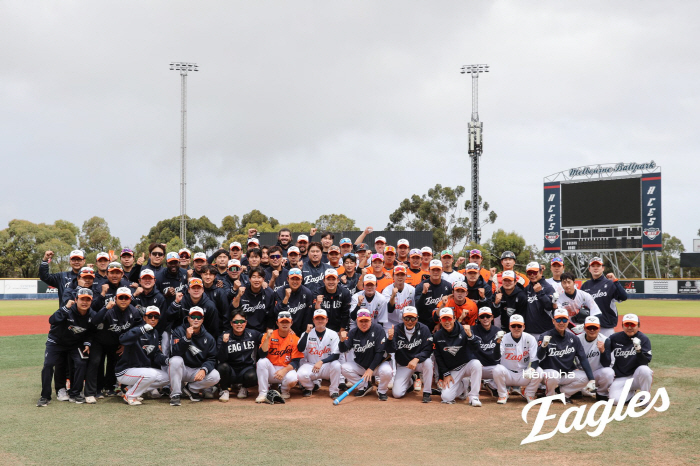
{"x":287,"y":317}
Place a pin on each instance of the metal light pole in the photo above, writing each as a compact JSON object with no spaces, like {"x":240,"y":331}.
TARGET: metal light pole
{"x":475,"y":145}
{"x":183,"y":68}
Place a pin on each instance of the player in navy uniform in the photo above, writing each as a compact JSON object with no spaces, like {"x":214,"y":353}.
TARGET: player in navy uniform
{"x":236,"y":355}
{"x":606,"y":291}
{"x":296,"y":299}
{"x":429,"y":293}
{"x":631,"y":353}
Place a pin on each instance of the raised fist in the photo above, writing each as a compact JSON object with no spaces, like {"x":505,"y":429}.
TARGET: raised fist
{"x":287,"y":293}
{"x":312,"y":232}
{"x":460,"y":261}
{"x":226,"y":337}
{"x":394,"y":292}
{"x":275,"y":274}
{"x":390,"y":333}
{"x":189,"y":332}
{"x":148,"y":327}
{"x":319,"y":299}
{"x":467,"y":328}
{"x":482,"y":293}
{"x":309,"y":327}
{"x":269,"y":332}
{"x":499,"y":335}
{"x":601,"y":346}
{"x":110,"y":303}
{"x":241,"y":290}
{"x":545,"y":340}
{"x":138,"y":291}
{"x":48,"y":255}
{"x":360,"y":300}
{"x":236,"y":284}
{"x":368,"y":230}
{"x":69,"y":304}
{"x":537,"y":288}
{"x":178,"y":297}
{"x":426,"y":287}
{"x":499,"y":296}
{"x":637,"y":344}
{"x":189,"y":273}
{"x":105,"y":288}
{"x":343,"y":335}
{"x":252,"y":232}
{"x":611,"y":276}
{"x":343,"y":279}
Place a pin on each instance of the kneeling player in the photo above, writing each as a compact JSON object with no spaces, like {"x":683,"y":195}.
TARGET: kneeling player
{"x":139,"y":366}
{"x":236,"y":355}
{"x":489,"y":350}
{"x":412,"y":344}
{"x":279,"y":358}
{"x":593,"y":342}
{"x":321,"y":353}
{"x":631,"y":350}
{"x":518,"y":366}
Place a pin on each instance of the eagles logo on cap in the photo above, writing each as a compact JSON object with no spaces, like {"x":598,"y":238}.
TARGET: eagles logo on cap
{"x":76,"y":253}
{"x":485,"y":310}
{"x":533,"y":266}
{"x":591,"y":320}
{"x":115,"y":266}
{"x":194,"y":281}
{"x":427,"y":250}
{"x":435,"y":264}
{"x":152,"y":310}
{"x":380,"y":239}
{"x":370,"y":278}
{"x":172,"y":256}
{"x":196,"y":310}
{"x":302,"y":238}
{"x":402,"y":242}
{"x":320,"y":312}
{"x":253,"y":241}
{"x":234,"y":263}
{"x":124,"y":291}
{"x":293,"y":249}
{"x":508,"y":275}
{"x":199,"y":256}
{"x":235,"y":245}
{"x":447,"y":312}
{"x":102,"y":255}
{"x":410,"y":311}
{"x":330,"y":273}
{"x":87,"y":271}
{"x":284,"y":316}
{"x":561,"y":312}
{"x":516,"y":318}
{"x":147,"y":273}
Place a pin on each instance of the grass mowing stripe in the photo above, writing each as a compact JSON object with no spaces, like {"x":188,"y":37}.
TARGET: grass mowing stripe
{"x":29,"y":307}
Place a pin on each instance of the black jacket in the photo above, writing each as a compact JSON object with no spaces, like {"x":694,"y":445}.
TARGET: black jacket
{"x":70,"y":328}
{"x":420,"y":346}
{"x":453,"y":349}
{"x":239,"y":350}
{"x":368,"y":347}
{"x":141,"y":349}
{"x":205,"y":358}
{"x":300,"y":305}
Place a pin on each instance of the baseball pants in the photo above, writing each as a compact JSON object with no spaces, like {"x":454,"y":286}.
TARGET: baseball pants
{"x":329,"y":371}
{"x":354,"y":372}
{"x":603,"y":379}
{"x":569,"y":382}
{"x":607,"y":331}
{"x":266,"y":376}
{"x":472,"y":371}
{"x":179,"y":373}
{"x":55,"y":355}
{"x":403,"y":378}
{"x":97,"y":379}
{"x":244,"y":375}
{"x":142,"y":379}
{"x":641,"y":380}
{"x":504,"y":377}
{"x":165,"y":343}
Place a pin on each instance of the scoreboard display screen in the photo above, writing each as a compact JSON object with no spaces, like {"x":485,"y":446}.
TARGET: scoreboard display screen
{"x":601,"y":203}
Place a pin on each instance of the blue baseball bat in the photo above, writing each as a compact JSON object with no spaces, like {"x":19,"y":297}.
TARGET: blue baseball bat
{"x":346,"y":393}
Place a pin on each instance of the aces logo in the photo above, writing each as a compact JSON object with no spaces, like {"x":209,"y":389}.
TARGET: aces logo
{"x":551,"y":237}
{"x":652,"y":233}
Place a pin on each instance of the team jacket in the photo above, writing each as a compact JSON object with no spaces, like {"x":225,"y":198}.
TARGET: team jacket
{"x":70,"y":328}
{"x":166,"y":280}
{"x":317,"y":347}
{"x":258,"y":308}
{"x":473,"y":292}
{"x":111,"y":323}
{"x":300,"y":305}
{"x":420,"y":345}
{"x":135,"y":272}
{"x":140,"y":350}
{"x":453,"y":349}
{"x":177,"y":313}
{"x":313,"y":276}
{"x":606,"y":294}
{"x":487,"y":351}
{"x":538,"y":316}
{"x":283,"y":351}
{"x":368,"y":347}
{"x":514,"y":303}
{"x":228,"y":285}
{"x":350,"y":283}
{"x":57,"y":280}
{"x":199,"y":352}
{"x":426,"y":303}
{"x":403,"y":298}
{"x":101,"y":279}
{"x":625,"y":359}
{"x":561,"y":351}
{"x":337,"y":306}
{"x":239,"y":350}
{"x":280,"y":281}
{"x":376,"y":305}
{"x":99,"y":301}
{"x":596,"y":359}
{"x":70,"y":291}
{"x":223,"y":306}
{"x":154,"y":298}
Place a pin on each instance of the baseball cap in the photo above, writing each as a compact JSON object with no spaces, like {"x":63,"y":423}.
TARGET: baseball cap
{"x":414,"y":252}
{"x":459,"y":285}
{"x":475,"y":252}
{"x":235,"y":245}
{"x":630,"y":318}
{"x":516,"y":318}
{"x":152,"y":310}
{"x":399,"y":269}
{"x":334,"y":248}
{"x":199,"y":256}
{"x":380,"y":239}
{"x":302,"y":238}
{"x":558,"y":260}
{"x":390,"y":249}
{"x":184,"y":250}
{"x":508,"y":274}
{"x":560,"y":312}
{"x":596,"y":260}
{"x":295,"y":272}
{"x":284,"y":315}
{"x":234,"y":263}
{"x":410,"y":311}
{"x":102,"y":255}
{"x":330,"y":272}
{"x":126,"y":252}
{"x":507,"y":255}
{"x":375,"y":257}
{"x":293,"y":249}
{"x":485,"y":310}
{"x":172,"y":256}
{"x":114,"y":266}
{"x":87,"y":271}
{"x":362,"y":247}
{"x":77,"y":253}
{"x":147,"y":272}
{"x":472,"y":267}
{"x":446,"y":253}
{"x":253,"y":241}
{"x":194,"y":281}
{"x":533,"y":266}
{"x":426,"y":249}
{"x":370,"y":278}
{"x":84,"y":292}
{"x":363,"y":314}
{"x":591,"y":320}
{"x":447,"y":312}
{"x":320,"y":312}
{"x":435,"y":264}
{"x":196,"y":310}
{"x":402,"y":242}
{"x":123,"y":291}
{"x":344,"y":241}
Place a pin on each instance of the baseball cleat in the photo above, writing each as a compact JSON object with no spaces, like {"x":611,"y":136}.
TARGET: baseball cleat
{"x":223,"y":397}
{"x":111,"y":393}
{"x":194,"y":396}
{"x":383,"y":396}
{"x":79,"y":399}
{"x":62,"y":395}
{"x":363,"y":391}
{"x":285,"y":395}
{"x":426,"y":397}
{"x":502,"y":400}
{"x":417,"y":384}
{"x":90,"y":400}
{"x":306,"y":393}
{"x":262,"y":398}
{"x":242,"y":393}
{"x":100,"y":396}
{"x":599,"y":397}
{"x":475,"y":402}
{"x":317,"y":386}
{"x":530,"y":399}
{"x":155,"y":394}
{"x":43,"y":402}
{"x":132,"y":401}
{"x":451,"y":402}
{"x":342,"y":387}
{"x":334,"y":396}
{"x":175,"y":400}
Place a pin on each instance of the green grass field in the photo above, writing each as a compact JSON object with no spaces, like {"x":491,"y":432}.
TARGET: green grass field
{"x":358,"y":431}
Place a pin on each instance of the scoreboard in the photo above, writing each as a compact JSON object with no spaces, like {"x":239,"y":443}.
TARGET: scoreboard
{"x":612,"y":207}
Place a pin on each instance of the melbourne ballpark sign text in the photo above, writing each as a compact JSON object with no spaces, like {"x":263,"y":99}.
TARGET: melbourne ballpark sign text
{"x":617,"y":168}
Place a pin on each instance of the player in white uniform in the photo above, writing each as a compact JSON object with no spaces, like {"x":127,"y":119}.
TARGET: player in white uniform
{"x":557,"y":268}
{"x":594,"y":346}
{"x":372,"y":301}
{"x":399,"y":295}
{"x":574,"y":300}
{"x":448,"y":273}
{"x":321,"y":355}
{"x":518,"y":362}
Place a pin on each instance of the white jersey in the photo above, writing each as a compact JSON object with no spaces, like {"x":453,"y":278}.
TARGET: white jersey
{"x":591,"y":350}
{"x":403,"y":298}
{"x":580,"y":299}
{"x":377,"y":307}
{"x":556,"y":285}
{"x":516,"y":356}
{"x":317,"y":350}
{"x":453,"y":277}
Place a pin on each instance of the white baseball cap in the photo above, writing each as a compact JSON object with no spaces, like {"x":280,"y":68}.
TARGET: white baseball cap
{"x":435,"y":264}
{"x":427,"y":249}
{"x":591,"y":320}
{"x":320,"y":312}
{"x":380,"y":239}
{"x":509,"y":274}
{"x":630,"y":318}
{"x":234,"y":262}
{"x":403,"y":242}
{"x":254,"y":241}
{"x":235,"y":244}
{"x":410,"y":311}
{"x":199,"y":255}
{"x":485,"y":310}
{"x":189,"y":253}
{"x":302,"y":238}
{"x":447,"y":311}
{"x":147,"y":272}
{"x":123,"y":291}
{"x":532,"y":266}
{"x":370,"y":278}
{"x":102,"y":255}
{"x":293,"y":249}
{"x":330,"y":272}
{"x":517,"y":318}
{"x":152,"y":310}
{"x":560,"y":312}
{"x":77,"y":253}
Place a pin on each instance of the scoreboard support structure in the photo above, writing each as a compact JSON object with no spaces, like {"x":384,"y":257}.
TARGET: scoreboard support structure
{"x":610,"y":210}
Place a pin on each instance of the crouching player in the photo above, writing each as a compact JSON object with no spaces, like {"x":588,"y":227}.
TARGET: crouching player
{"x":593,"y":342}
{"x":279,"y":358}
{"x":631,"y":350}
{"x":321,"y":355}
{"x":454,"y":346}
{"x":519,"y":362}
{"x":488,"y":351}
{"x":139,"y":367}
{"x":412,"y":344}
{"x":236,"y":357}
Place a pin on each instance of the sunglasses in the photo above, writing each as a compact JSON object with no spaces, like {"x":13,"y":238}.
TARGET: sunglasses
{"x":592,"y":327}
{"x":516,"y":326}
{"x":630,"y":325}
{"x":485,"y":316}
{"x":560,"y":320}
{"x":196,"y":317}
{"x":410,"y":319}
{"x":153,"y":316}
{"x":234,"y":269}
{"x":446,"y":319}
{"x":531,"y":272}
{"x":184,"y":256}
{"x":238,"y":322}
{"x":123,"y":298}
{"x":276,"y":256}
{"x":157,"y":254}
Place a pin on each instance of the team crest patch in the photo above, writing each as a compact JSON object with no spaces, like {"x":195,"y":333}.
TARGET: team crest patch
{"x":551,"y":237}
{"x":651,"y":233}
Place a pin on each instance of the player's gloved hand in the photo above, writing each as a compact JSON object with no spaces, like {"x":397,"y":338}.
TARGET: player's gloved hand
{"x":545,"y":340}
{"x":591,"y":386}
{"x":148,"y":327}
{"x":500,"y":334}
{"x":521,"y":281}
{"x":555,"y":297}
{"x":637,"y":344}
{"x":578,"y":330}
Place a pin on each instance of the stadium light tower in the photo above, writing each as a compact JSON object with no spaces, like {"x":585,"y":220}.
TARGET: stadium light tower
{"x":475,"y":145}
{"x":183,"y":68}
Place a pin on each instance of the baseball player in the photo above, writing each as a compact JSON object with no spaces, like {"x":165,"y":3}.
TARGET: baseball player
{"x":593,"y":342}
{"x":508,"y":262}
{"x":366,"y":342}
{"x":321,"y":355}
{"x":454,"y":346}
{"x":171,"y":279}
{"x":465,"y":310}
{"x":371,"y":300}
{"x":256,"y":302}
{"x":412,"y":344}
{"x":558,"y":348}
{"x":557,"y":268}
{"x":519,"y":363}
{"x":237,"y":349}
{"x":479,"y":289}
{"x":350,"y":276}
{"x":606,"y":291}
{"x":475,"y":257}
{"x":630,"y":350}
{"x":279,"y":358}
{"x":139,"y":366}
{"x":192,"y":359}
{"x":448,"y":273}
{"x":575,"y":301}
{"x":538,"y":315}
{"x":70,"y":336}
{"x":61,"y":279}
{"x":415,"y":274}
{"x":382,"y":276}
{"x":399,"y":295}
{"x":510,"y":299}
{"x":314,"y":268}
{"x":489,"y":338}
{"x":296,"y":299}
{"x":430,"y":292}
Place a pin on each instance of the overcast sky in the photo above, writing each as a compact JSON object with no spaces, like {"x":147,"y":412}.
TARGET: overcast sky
{"x":308,"y":108}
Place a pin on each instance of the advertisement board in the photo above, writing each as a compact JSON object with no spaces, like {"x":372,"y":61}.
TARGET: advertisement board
{"x":689,"y":287}
{"x":661,"y":287}
{"x":633,"y":286}
{"x":20,"y":286}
